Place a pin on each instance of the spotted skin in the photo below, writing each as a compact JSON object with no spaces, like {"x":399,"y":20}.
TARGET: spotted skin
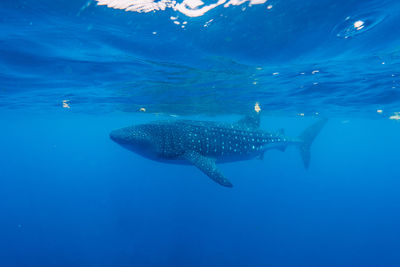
{"x":224,"y":142}
{"x":200,"y":143}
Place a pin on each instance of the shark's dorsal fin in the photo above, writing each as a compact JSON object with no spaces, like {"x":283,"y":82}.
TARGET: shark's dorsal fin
{"x":250,"y":121}
{"x":207,"y":166}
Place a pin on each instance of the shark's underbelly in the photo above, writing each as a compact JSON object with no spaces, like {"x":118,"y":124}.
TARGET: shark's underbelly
{"x":218,"y":158}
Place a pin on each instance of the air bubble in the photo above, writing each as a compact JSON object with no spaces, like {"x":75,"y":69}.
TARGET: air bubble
{"x":354,"y":25}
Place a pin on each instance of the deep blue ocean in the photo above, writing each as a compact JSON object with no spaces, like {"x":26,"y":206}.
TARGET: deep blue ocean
{"x":73,"y":71}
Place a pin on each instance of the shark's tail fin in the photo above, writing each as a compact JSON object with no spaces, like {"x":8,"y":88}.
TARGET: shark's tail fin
{"x":306,"y":138}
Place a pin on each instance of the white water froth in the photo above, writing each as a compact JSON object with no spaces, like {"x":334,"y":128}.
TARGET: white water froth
{"x":191,"y":8}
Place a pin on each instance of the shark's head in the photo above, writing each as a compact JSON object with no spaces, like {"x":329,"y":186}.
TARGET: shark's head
{"x":141,"y":139}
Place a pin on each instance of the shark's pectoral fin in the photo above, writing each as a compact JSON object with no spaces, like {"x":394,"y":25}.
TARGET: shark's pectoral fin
{"x":207,"y":165}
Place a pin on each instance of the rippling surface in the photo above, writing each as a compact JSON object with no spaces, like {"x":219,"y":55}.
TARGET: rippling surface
{"x":290,"y":56}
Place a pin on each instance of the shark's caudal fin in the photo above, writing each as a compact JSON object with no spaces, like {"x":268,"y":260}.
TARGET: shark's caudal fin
{"x":306,"y":138}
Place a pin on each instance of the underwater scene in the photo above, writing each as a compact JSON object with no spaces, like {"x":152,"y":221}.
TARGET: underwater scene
{"x":200,"y":133}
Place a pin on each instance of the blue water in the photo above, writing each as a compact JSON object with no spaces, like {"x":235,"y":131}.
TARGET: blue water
{"x":72,"y":71}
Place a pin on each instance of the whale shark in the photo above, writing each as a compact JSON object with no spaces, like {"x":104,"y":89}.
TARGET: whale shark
{"x":203,"y":144}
